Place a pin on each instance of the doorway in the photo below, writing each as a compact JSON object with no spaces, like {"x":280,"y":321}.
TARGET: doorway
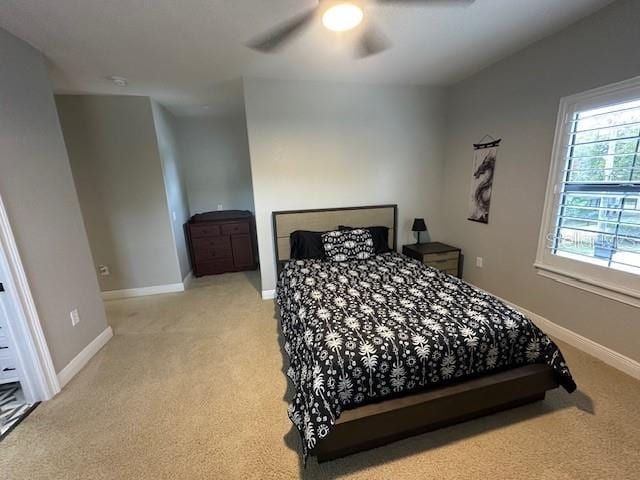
{"x":27,"y":375}
{"x":14,"y":405}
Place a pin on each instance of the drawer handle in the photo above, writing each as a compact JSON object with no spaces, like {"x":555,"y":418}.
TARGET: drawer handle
{"x":8,"y":369}
{"x":3,"y":348}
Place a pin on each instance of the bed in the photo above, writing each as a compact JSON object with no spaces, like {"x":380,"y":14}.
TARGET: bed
{"x":384,"y":348}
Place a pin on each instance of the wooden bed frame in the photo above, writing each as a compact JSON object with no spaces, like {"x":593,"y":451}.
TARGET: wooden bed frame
{"x":381,"y":423}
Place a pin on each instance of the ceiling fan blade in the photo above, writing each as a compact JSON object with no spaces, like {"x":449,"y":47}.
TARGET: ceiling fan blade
{"x":371,"y":42}
{"x":278,"y":36}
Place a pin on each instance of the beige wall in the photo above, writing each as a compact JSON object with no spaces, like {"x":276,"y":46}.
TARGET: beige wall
{"x":215,"y":155}
{"x":166,"y":131}
{"x":118,"y":173}
{"x":517,"y":99}
{"x":316,"y":145}
{"x":37,"y":188}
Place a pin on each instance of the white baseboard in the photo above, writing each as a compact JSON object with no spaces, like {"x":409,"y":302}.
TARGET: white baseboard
{"x":610,"y":357}
{"x":143,"y":291}
{"x":80,"y":360}
{"x":186,"y":281}
{"x":268,"y":294}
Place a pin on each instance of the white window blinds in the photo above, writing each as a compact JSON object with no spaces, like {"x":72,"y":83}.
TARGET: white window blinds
{"x":597,"y":219}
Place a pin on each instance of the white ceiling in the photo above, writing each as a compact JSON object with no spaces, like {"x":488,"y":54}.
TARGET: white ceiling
{"x":189,"y":53}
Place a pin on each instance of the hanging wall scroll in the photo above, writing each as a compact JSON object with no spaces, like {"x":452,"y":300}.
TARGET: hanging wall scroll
{"x":484,"y":164}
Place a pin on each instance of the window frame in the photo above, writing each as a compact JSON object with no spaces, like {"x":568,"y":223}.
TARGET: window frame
{"x":611,"y":283}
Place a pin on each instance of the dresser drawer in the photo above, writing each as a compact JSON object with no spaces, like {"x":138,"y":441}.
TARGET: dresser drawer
{"x":205,"y":249}
{"x":219,"y":265}
{"x":441,"y":257}
{"x":436,"y":255}
{"x":198,"y":231}
{"x":444,"y":264}
{"x":5,"y":348}
{"x":8,"y":368}
{"x":233,"y":228}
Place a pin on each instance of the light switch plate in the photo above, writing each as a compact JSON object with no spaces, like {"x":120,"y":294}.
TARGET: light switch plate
{"x":75,"y":317}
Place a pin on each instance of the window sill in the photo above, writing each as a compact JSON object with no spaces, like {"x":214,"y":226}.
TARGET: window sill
{"x":613,"y":292}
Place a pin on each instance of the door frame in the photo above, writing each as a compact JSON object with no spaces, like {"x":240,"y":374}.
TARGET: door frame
{"x":37,"y":372}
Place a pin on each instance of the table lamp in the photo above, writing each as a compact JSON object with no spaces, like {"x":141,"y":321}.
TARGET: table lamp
{"x":419,"y":226}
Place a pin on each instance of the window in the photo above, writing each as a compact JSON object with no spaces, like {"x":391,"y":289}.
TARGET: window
{"x":598,"y":220}
{"x":590,"y":234}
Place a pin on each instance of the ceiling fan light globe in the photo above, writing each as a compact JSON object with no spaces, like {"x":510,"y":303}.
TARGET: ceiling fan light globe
{"x":343,"y":17}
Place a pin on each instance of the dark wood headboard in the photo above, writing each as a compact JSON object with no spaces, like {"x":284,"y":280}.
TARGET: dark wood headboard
{"x":325,"y":219}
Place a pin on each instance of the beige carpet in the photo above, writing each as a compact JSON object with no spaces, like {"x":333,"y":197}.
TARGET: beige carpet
{"x":191,"y":387}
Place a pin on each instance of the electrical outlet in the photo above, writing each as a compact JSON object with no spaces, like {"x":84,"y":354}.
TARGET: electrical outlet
{"x":220,"y":207}
{"x":104,"y":270}
{"x":75,"y":317}
{"x":175,"y":217}
{"x":479,"y":262}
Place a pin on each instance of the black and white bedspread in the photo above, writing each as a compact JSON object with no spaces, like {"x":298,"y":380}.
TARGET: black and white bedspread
{"x":363,"y":331}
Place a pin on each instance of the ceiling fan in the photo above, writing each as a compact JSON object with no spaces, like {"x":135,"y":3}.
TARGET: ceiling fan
{"x":339,"y":16}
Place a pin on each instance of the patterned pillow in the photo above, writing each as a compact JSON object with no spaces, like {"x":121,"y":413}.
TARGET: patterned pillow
{"x":343,"y":245}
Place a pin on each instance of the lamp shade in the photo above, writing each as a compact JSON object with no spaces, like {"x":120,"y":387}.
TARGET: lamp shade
{"x":419,"y":225}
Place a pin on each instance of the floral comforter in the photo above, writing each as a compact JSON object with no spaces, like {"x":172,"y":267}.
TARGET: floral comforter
{"x":363,"y":331}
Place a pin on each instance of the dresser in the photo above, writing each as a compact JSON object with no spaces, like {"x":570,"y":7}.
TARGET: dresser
{"x":8,"y":367}
{"x":223,"y":241}
{"x":437,"y":255}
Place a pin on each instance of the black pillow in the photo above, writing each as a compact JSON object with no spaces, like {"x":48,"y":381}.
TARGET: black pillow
{"x":380,"y":237}
{"x":306,"y":245}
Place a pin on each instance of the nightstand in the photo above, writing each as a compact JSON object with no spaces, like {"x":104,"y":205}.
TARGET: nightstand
{"x":437,"y":255}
